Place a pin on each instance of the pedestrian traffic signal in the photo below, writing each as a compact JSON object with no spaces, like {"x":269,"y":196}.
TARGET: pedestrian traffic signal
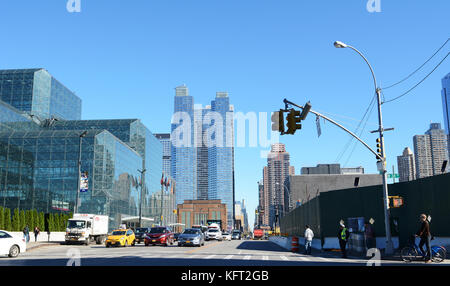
{"x":278,"y":121}
{"x":293,"y":121}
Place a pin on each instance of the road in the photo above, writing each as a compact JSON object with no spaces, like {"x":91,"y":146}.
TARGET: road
{"x":214,"y":253}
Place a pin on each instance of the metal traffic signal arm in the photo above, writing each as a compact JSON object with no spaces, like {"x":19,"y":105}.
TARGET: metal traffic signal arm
{"x":307,"y":108}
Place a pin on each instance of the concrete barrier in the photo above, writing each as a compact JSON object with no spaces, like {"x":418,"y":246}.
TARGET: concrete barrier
{"x":286,"y":242}
{"x":42,"y":237}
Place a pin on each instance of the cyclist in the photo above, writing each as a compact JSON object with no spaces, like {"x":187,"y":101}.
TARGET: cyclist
{"x":425,"y":237}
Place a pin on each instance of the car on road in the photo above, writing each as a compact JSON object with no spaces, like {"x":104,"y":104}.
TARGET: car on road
{"x":161,"y":235}
{"x":10,"y":245}
{"x":226,"y":236}
{"x":191,"y":236}
{"x":121,"y":237}
{"x":213,"y":233}
{"x":236,"y":234}
{"x":140,"y":233}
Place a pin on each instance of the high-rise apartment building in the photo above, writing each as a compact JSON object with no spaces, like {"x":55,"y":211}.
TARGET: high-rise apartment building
{"x":406,"y":166}
{"x":446,"y":106}
{"x":430,"y":150}
{"x":204,"y":170}
{"x":278,"y":169}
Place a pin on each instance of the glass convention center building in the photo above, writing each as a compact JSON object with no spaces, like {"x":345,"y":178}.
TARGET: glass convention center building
{"x":40,"y":128}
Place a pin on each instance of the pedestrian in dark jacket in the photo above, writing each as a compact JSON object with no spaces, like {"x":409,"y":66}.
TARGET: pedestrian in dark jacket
{"x":425,"y":237}
{"x":36,"y":233}
{"x":26,"y":233}
{"x":343,"y":236}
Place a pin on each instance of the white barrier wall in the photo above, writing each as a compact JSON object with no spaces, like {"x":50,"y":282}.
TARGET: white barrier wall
{"x":42,"y":237}
{"x":286,"y":242}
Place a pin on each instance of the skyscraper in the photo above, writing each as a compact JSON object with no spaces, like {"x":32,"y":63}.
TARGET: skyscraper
{"x":164,"y":138}
{"x":406,"y":166}
{"x":204,"y":168}
{"x":183,"y":158}
{"x":278,"y":169}
{"x":430,"y":150}
{"x":446,"y":106}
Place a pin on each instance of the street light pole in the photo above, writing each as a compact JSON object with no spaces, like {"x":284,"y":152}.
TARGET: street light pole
{"x":389,"y":245}
{"x":79,"y":172}
{"x":140,"y":200}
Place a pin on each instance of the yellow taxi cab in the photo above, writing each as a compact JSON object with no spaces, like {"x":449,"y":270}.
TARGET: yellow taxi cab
{"x":121,"y":237}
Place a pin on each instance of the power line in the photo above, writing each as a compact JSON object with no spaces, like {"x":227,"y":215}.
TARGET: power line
{"x":395,"y":98}
{"x":397,"y":83}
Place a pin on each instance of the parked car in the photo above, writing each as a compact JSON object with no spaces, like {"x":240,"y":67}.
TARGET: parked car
{"x":191,"y":236}
{"x":140,"y":233}
{"x":121,"y":237}
{"x":213,"y":233}
{"x":226,"y":236}
{"x":10,"y":245}
{"x":236,"y":234}
{"x":159,"y":235}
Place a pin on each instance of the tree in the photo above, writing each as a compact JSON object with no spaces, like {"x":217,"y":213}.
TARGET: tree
{"x":16,"y":221}
{"x":22,"y":220}
{"x":7,"y":220}
{"x":41,"y":221}
{"x":35,"y":220}
{"x":50,"y":223}
{"x":2,"y":219}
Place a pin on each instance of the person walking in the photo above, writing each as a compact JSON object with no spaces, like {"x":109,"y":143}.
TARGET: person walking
{"x":26,"y":233}
{"x":309,"y":234}
{"x":343,"y":236}
{"x":425,"y":237}
{"x":36,"y":233}
{"x":369,"y":236}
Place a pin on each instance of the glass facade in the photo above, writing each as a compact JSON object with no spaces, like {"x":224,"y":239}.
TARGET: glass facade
{"x":446,"y":106}
{"x":39,"y":170}
{"x":36,"y":92}
{"x":40,"y":131}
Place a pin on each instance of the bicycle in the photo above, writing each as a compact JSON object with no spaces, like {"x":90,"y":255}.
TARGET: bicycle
{"x":413,"y":253}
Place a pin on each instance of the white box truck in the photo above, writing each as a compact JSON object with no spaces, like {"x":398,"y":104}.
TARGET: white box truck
{"x":85,"y":228}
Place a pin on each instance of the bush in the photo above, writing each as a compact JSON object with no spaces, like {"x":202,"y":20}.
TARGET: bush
{"x":2,"y":218}
{"x":16,"y":220}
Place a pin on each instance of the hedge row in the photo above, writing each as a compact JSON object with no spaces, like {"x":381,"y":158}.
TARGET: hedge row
{"x":17,"y":220}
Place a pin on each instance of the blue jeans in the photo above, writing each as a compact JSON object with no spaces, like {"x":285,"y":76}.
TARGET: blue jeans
{"x":308,"y":246}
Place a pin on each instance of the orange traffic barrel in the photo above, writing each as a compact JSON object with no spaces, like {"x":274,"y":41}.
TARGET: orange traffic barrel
{"x":294,"y":244}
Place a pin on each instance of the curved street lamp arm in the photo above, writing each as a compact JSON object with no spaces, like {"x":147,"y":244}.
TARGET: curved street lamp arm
{"x":339,"y":125}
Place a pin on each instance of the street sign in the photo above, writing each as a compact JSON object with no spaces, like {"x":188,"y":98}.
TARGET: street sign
{"x":84,"y":183}
{"x":390,"y":176}
{"x":319,"y":131}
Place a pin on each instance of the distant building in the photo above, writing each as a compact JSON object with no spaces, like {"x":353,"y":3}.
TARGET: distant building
{"x":278,"y":169}
{"x":198,"y":212}
{"x":331,"y":169}
{"x":446,"y":106}
{"x":303,"y":188}
{"x":430,"y":150}
{"x":406,"y":166}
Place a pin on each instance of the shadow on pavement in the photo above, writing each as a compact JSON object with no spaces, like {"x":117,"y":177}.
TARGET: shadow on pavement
{"x":261,"y":245}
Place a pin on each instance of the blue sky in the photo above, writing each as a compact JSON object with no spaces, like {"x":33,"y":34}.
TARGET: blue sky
{"x":124,"y":59}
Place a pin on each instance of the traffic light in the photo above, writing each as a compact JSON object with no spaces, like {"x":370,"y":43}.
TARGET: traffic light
{"x":379,"y":149}
{"x":278,"y":121}
{"x":293,"y":121}
{"x":305,"y":111}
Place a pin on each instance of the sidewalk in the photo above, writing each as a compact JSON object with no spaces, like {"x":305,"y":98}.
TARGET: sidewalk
{"x":34,"y":245}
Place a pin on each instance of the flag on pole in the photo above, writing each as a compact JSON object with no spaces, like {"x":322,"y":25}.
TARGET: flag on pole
{"x":162,"y":179}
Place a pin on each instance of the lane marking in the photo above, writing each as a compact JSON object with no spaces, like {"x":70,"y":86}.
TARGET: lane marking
{"x":247,"y":257}
{"x":284,"y":258}
{"x":210,"y":256}
{"x":201,"y":248}
{"x":228,"y":256}
{"x":265,"y":258}
{"x":323,"y":259}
